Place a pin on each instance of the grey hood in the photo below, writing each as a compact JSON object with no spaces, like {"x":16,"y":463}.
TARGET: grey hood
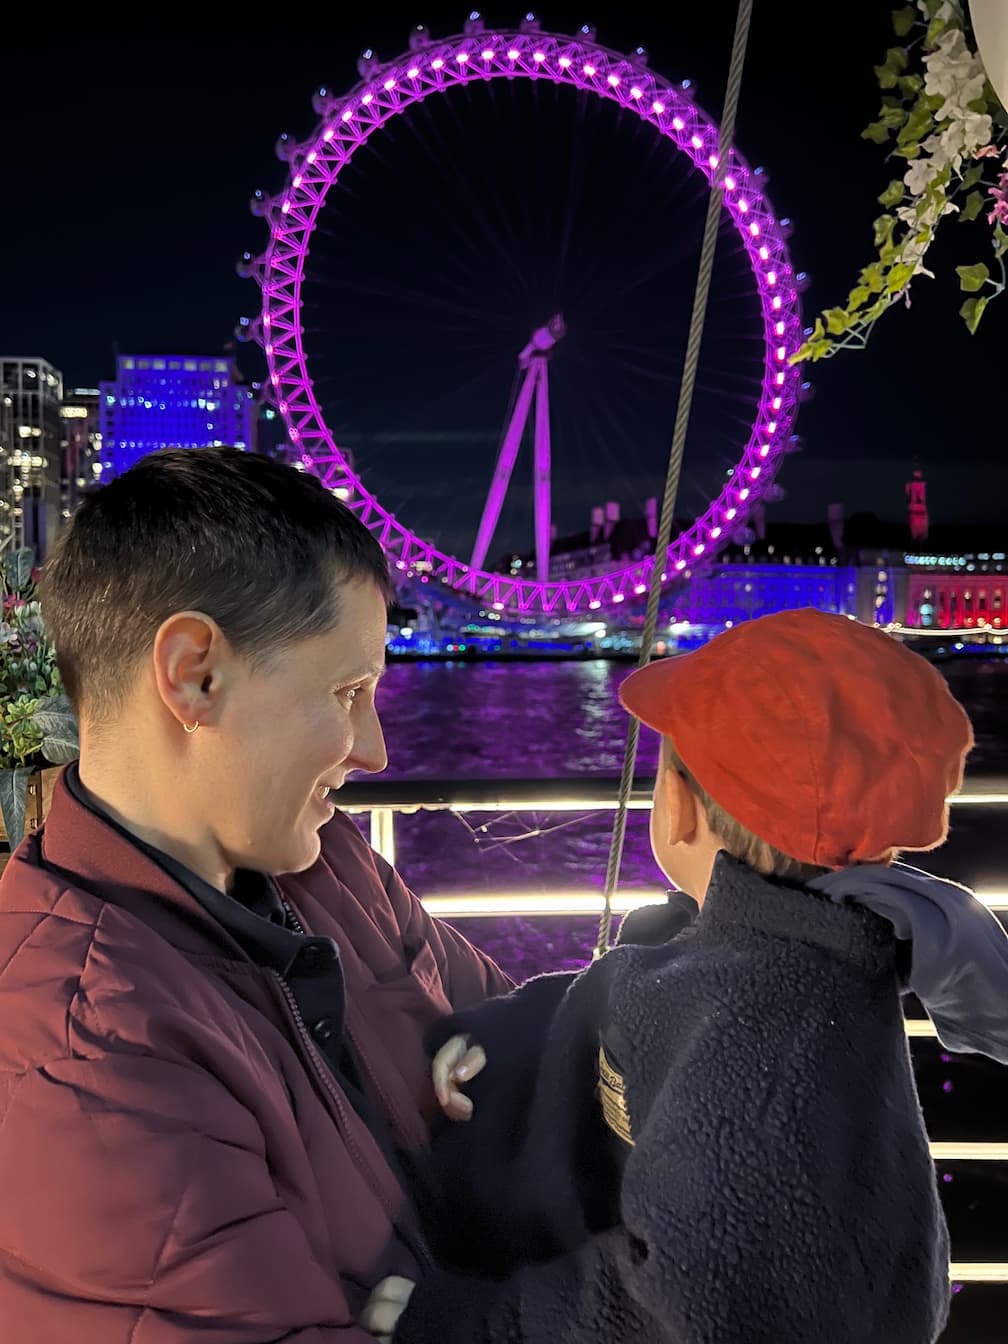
{"x":958,"y":949}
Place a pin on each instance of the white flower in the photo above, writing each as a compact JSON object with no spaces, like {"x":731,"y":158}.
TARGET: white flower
{"x":978,"y":130}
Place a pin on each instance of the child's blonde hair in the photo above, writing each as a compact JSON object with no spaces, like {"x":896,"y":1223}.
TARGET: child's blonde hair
{"x":738,"y":840}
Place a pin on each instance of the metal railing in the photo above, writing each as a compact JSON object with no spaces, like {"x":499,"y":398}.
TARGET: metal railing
{"x":384,"y":799}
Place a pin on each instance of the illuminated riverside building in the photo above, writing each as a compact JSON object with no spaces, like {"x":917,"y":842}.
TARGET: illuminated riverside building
{"x":181,"y":401}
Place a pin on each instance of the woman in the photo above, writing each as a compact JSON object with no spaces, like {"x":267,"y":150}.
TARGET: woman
{"x":211,"y":1083}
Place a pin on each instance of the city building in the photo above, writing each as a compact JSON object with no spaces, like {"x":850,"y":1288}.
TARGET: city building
{"x":32,"y":462}
{"x":608,"y":540}
{"x":82,"y":460}
{"x":181,"y":401}
{"x":958,"y":582}
{"x":7,"y":534}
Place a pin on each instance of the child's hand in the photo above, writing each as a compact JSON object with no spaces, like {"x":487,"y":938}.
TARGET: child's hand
{"x":385,"y":1305}
{"x":458,"y":1061}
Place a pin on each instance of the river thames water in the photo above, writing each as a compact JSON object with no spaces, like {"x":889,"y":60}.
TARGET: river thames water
{"x":497,"y":720}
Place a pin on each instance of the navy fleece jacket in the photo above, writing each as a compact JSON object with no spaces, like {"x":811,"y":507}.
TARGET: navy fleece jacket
{"x":772,"y":1182}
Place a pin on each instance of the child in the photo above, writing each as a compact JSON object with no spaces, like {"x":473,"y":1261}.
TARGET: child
{"x":718,"y":1140}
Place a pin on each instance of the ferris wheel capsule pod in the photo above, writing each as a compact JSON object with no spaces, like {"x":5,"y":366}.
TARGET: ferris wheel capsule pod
{"x":249,"y":267}
{"x":259,"y":203}
{"x":322,"y":100}
{"x":773,"y":494}
{"x":529,"y":23}
{"x":367,"y":63}
{"x":473,"y":24}
{"x":286,"y":147}
{"x":795,"y":444}
{"x":802,"y":281}
{"x":806,"y":392}
{"x":589,"y":32}
{"x":639,"y":55}
{"x":419,"y":38}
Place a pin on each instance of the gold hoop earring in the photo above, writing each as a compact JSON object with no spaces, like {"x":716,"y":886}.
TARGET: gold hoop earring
{"x":191,"y":728}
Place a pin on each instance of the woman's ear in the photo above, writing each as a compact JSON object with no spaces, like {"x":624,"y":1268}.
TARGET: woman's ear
{"x":187,"y":657}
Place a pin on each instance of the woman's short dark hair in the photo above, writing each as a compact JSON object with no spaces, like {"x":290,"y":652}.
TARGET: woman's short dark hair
{"x":258,"y":546}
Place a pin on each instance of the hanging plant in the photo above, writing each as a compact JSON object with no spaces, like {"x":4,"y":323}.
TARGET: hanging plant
{"x":946,"y":123}
{"x":37,"y":724}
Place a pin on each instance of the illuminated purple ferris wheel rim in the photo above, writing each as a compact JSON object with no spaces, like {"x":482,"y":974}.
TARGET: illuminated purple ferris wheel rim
{"x":346,"y":126}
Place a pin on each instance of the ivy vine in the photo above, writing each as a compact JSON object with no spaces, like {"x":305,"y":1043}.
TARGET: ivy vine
{"x":943,"y":119}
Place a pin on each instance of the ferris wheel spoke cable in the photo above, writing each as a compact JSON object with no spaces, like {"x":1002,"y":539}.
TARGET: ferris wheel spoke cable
{"x":429,"y":139}
{"x":696,"y":327}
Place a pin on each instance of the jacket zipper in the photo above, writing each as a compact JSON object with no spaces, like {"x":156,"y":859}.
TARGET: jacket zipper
{"x":412,"y":1234}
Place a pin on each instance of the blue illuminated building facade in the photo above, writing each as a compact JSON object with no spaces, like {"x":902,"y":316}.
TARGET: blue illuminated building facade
{"x":174,"y":401}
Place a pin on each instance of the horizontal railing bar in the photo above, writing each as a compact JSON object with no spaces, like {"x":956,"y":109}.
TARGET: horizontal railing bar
{"x":492,"y":904}
{"x":979,"y":1271}
{"x":586,"y":794}
{"x":969,"y":1152}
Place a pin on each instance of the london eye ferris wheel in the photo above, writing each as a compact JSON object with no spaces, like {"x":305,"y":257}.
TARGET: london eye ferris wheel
{"x":353,"y":146}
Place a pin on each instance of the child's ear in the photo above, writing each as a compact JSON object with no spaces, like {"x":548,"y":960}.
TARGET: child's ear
{"x":682,"y":808}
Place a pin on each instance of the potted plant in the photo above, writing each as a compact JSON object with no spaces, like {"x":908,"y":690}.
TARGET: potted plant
{"x":37,"y":725}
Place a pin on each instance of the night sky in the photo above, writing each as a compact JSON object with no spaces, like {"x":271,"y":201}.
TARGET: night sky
{"x":131,"y":155}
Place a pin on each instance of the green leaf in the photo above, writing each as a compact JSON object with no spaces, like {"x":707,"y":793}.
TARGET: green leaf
{"x":910,"y":85}
{"x":837,"y":321}
{"x":931,"y":7}
{"x":820,"y":349}
{"x":17,"y":568}
{"x":935,"y":29}
{"x":972,"y":311}
{"x":1000,"y":240}
{"x":884,"y":226}
{"x":899,"y":277}
{"x":971,"y":176}
{"x":908,"y":151}
{"x":876,"y":133}
{"x":974,"y":204}
{"x":871,"y":278}
{"x":918,"y":124}
{"x":972,"y":278}
{"x":858,"y":296}
{"x":896,"y":58}
{"x":891,"y":117}
{"x":55,"y":718}
{"x":893,"y":194}
{"x":13,"y":791}
{"x":903,"y":20}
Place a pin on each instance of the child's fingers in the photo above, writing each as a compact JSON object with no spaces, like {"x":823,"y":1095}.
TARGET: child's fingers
{"x":447,"y":1059}
{"x":385,"y":1305}
{"x":458,"y":1106}
{"x":472,"y":1062}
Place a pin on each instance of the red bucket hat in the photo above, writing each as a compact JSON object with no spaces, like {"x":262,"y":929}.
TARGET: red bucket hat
{"x":826,"y":738}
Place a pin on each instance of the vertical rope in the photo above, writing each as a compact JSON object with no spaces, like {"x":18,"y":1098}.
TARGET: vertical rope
{"x":683,"y":410}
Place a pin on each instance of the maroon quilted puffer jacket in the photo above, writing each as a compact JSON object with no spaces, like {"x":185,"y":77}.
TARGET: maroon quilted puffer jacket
{"x":176,"y":1161}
